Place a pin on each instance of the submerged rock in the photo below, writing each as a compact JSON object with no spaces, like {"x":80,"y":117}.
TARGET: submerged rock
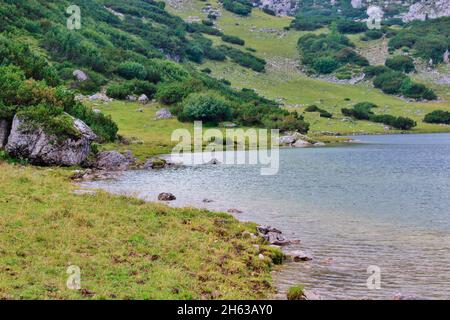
{"x":155,"y":163}
{"x":40,"y":148}
{"x":299,"y":255}
{"x":166,"y":196}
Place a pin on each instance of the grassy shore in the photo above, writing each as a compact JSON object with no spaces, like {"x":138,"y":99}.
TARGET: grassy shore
{"x":126,"y":248}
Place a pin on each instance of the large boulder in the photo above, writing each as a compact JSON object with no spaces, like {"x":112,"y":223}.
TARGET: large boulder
{"x":111,"y":161}
{"x":164,"y":113}
{"x":4,"y":132}
{"x":80,"y":75}
{"x":38,"y":147}
{"x":100,"y":97}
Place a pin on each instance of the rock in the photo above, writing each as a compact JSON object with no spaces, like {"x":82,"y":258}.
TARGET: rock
{"x":164,"y":113}
{"x":301,"y":143}
{"x":100,"y":97}
{"x":111,"y":161}
{"x":165,"y":196}
{"x":276,"y":239}
{"x":129,"y":156}
{"x":132,"y":98}
{"x":425,"y":9}
{"x":143,"y":99}
{"x":319,"y":144}
{"x":155,"y":163}
{"x":230,"y":125}
{"x":299,"y":255}
{"x":310,"y":295}
{"x":279,"y":7}
{"x":213,"y":161}
{"x":266,"y":229}
{"x":234,"y":211}
{"x":90,"y":175}
{"x":41,"y":148}
{"x":4,"y":132}
{"x":261,"y":256}
{"x":96,"y":111}
{"x":80,"y":75}
{"x":272,"y":235}
{"x":286,"y":140}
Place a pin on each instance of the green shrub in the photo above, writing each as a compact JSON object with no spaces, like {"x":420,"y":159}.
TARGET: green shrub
{"x":244,"y":59}
{"x":415,"y":90}
{"x":233,"y":40}
{"x":401,"y":63}
{"x":207,"y":107}
{"x":132,"y":70}
{"x":325,"y":65}
{"x":173,"y":92}
{"x":347,"y":55}
{"x":323,"y":113}
{"x":296,"y":293}
{"x":389,"y":82}
{"x":290,"y":122}
{"x":437,"y":116}
{"x":120,"y":90}
{"x":373,"y":34}
{"x":372,"y":71}
{"x":350,"y":26}
{"x":241,"y":7}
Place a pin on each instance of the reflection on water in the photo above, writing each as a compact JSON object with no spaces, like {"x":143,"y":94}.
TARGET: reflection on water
{"x":383,"y":203}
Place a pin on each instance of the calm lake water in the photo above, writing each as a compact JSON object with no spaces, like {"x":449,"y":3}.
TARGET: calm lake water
{"x":385,"y":203}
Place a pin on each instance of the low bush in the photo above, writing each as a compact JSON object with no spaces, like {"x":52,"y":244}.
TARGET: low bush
{"x":401,"y":63}
{"x":233,"y":40}
{"x":289,"y":122}
{"x":206,"y":107}
{"x":132,"y":70}
{"x":437,"y":116}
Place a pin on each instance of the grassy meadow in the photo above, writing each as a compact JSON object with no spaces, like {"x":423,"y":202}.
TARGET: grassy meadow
{"x":126,"y":248}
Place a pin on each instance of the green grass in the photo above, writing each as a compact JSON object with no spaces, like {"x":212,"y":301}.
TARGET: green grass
{"x":284,"y":81}
{"x":126,"y":248}
{"x":147,"y":136}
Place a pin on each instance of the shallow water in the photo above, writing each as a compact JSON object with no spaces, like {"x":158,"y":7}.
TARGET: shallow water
{"x":384,"y":203}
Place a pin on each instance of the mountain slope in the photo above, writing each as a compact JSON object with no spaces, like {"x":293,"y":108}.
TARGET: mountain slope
{"x":286,"y":82}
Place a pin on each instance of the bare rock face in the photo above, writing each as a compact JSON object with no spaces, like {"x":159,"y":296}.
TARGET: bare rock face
{"x":4,"y":132}
{"x":427,"y":9}
{"x":279,"y":7}
{"x":111,"y":161}
{"x":40,"y":148}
